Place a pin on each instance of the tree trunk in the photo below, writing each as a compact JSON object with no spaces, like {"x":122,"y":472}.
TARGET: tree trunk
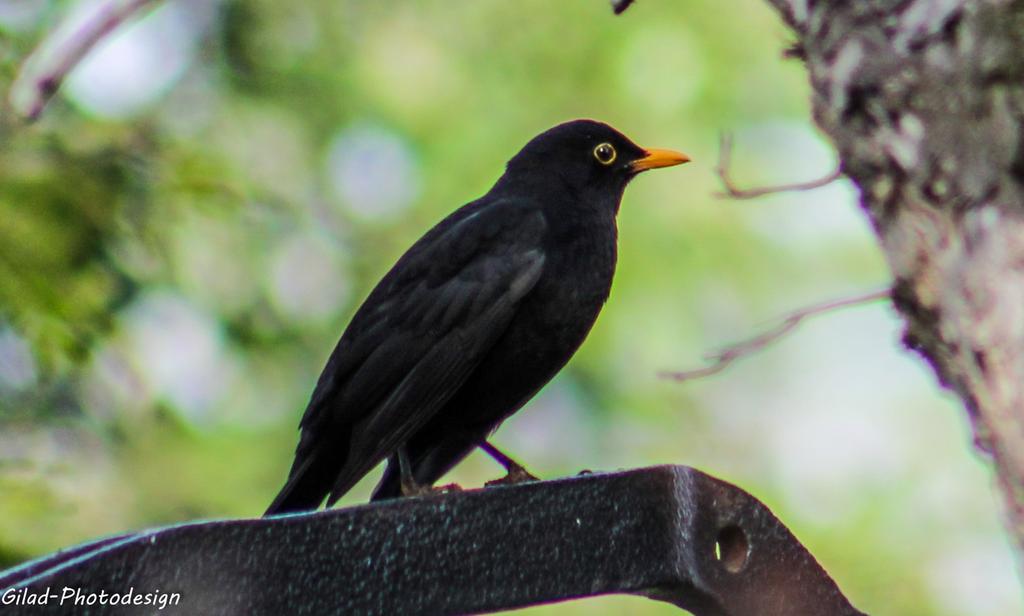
{"x":924,"y":100}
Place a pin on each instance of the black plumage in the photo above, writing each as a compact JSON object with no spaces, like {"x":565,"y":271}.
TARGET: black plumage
{"x":471,"y":321}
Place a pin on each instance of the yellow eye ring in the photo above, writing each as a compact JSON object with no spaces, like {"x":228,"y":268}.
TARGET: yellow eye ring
{"x":605,"y":153}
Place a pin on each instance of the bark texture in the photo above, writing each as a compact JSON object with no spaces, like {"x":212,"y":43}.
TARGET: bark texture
{"x":924,"y":100}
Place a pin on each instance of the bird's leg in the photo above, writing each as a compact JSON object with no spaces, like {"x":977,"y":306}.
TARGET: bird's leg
{"x":410,"y":487}
{"x":515,"y":473}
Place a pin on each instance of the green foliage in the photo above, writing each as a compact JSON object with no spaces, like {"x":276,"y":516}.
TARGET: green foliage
{"x":58,"y":208}
{"x":181,"y":273}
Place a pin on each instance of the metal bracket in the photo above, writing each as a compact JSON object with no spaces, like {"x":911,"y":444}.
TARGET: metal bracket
{"x":669,"y":533}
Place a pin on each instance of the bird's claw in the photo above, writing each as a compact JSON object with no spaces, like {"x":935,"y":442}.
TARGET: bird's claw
{"x":514,"y":476}
{"x":412,"y":489}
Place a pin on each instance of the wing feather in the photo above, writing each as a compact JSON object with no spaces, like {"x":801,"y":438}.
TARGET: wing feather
{"x":419,"y":336}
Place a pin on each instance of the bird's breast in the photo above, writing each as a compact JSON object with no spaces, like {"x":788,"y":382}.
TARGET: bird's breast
{"x":550,"y":324}
{"x":577,"y":279}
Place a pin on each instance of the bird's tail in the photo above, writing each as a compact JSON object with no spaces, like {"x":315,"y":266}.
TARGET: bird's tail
{"x":308,"y":484}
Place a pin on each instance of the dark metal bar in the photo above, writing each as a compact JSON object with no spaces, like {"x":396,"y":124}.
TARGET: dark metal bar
{"x":670,"y":533}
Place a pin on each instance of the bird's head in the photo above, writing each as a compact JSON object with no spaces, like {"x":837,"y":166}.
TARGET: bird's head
{"x":589,"y":159}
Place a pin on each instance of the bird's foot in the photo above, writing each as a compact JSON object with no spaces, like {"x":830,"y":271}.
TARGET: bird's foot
{"x":514,"y":476}
{"x":415,"y":489}
{"x":411,"y":488}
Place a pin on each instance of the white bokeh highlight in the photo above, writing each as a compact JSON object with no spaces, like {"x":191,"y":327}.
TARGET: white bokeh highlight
{"x":136,"y":65}
{"x":372,"y":171}
{"x":308,"y":281}
{"x":180,"y":354}
{"x":17,"y":365}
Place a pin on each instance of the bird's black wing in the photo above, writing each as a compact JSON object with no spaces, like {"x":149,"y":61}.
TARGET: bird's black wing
{"x":413,"y":343}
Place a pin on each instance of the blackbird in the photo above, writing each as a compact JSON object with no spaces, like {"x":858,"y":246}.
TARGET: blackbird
{"x":471,"y":321}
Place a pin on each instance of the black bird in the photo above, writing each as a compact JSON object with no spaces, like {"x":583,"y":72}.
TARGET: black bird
{"x":471,"y":321}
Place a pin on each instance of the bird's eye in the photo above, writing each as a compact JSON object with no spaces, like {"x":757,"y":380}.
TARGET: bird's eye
{"x":605,"y":154}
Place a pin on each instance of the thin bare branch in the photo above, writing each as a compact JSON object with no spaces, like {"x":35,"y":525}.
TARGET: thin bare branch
{"x":618,"y":6}
{"x":720,"y":360}
{"x":732,"y":191}
{"x":60,"y":52}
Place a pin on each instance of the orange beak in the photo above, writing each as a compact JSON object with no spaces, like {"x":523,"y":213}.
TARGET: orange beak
{"x":659,"y":158}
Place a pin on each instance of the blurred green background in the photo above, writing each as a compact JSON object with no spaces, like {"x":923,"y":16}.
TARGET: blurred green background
{"x":185,"y":232}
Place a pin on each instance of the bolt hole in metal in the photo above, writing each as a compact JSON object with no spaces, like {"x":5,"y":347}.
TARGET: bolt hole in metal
{"x":732,"y":548}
